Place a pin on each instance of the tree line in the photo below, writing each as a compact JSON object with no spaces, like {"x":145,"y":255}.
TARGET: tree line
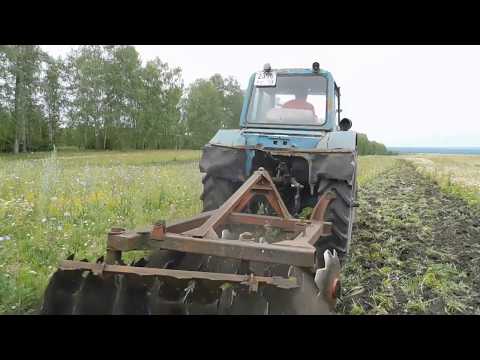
{"x":104,"y":97}
{"x":369,"y":147}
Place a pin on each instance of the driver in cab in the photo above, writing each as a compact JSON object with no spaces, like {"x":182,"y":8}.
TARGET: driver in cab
{"x":300,"y":102}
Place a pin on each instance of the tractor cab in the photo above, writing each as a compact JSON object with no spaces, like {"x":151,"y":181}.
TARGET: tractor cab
{"x":306,"y":99}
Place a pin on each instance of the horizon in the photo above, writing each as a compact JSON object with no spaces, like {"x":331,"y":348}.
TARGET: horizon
{"x":439,"y":147}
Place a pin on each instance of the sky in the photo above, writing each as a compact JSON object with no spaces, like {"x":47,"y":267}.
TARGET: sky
{"x":397,"y":94}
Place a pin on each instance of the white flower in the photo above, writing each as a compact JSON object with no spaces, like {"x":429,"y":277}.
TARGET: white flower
{"x":43,"y":220}
{"x":54,"y":198}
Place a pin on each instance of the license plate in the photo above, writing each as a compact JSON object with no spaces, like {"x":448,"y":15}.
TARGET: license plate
{"x":264,"y":79}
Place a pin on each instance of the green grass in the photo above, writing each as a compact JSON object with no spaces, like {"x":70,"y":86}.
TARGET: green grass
{"x":372,"y":166}
{"x":52,"y":206}
{"x":105,"y":158}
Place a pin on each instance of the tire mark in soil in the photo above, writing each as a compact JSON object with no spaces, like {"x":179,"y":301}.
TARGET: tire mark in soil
{"x":415,"y":250}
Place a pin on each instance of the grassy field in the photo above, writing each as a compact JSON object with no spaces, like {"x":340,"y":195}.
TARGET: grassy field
{"x":52,"y":206}
{"x":57,"y":205}
{"x":372,"y":166}
{"x":458,"y":175}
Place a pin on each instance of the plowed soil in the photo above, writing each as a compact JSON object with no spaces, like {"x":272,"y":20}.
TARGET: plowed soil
{"x":415,"y":250}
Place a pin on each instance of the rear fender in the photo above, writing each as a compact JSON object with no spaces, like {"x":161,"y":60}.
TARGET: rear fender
{"x":228,"y":156}
{"x":338,"y":140}
{"x":225,"y":162}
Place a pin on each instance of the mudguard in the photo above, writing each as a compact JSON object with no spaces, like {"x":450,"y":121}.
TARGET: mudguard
{"x":338,"y":140}
{"x":328,"y":141}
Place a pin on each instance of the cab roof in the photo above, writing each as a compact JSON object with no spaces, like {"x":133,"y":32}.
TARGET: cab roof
{"x":301,"y":71}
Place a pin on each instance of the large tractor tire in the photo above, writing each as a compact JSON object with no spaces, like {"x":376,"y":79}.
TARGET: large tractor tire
{"x":216,"y":191}
{"x":341,"y":213}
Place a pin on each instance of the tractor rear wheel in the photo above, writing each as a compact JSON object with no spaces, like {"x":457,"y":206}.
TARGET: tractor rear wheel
{"x":216,"y":191}
{"x":341,"y":213}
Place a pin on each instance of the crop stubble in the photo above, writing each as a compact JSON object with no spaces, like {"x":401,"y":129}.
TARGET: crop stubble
{"x":415,"y":249}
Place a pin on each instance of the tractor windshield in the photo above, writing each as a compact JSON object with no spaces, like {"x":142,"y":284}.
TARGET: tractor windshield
{"x":295,"y":100}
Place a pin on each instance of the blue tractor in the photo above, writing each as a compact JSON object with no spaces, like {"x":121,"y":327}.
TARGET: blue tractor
{"x":290,"y":125}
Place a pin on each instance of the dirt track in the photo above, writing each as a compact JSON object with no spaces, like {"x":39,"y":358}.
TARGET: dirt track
{"x":415,"y":249}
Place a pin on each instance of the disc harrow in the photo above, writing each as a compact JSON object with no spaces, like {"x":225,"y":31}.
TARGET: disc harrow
{"x":220,"y":262}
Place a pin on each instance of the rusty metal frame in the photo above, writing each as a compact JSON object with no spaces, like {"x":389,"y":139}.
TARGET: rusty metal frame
{"x":200,"y":235}
{"x":260,"y":183}
{"x":250,"y":280}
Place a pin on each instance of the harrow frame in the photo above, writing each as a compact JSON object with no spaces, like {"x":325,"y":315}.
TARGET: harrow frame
{"x":199,"y":235}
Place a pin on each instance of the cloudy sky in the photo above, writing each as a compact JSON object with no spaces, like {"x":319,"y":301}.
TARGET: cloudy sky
{"x":398,"y":95}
